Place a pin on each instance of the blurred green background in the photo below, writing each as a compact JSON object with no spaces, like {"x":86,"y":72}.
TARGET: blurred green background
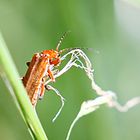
{"x":111,"y":28}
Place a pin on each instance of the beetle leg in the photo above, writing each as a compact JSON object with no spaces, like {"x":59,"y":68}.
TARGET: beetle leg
{"x":50,"y":74}
{"x":42,"y":91}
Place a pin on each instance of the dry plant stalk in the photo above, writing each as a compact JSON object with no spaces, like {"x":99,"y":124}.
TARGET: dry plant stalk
{"x":79,"y":59}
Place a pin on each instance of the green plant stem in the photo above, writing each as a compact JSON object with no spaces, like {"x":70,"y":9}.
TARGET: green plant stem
{"x":12,"y":80}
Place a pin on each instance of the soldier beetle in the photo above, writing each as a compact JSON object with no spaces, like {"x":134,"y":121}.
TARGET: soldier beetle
{"x":40,"y":68}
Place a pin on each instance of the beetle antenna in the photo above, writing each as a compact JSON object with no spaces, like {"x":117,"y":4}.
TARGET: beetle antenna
{"x":69,"y":49}
{"x":61,"y":39}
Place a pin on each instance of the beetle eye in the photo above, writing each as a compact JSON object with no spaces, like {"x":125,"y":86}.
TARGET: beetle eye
{"x":58,"y":55}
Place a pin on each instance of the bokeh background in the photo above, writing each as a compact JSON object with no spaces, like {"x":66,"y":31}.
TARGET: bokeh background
{"x":111,"y":28}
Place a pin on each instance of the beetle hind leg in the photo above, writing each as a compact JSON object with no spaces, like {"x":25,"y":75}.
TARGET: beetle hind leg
{"x":42,"y":91}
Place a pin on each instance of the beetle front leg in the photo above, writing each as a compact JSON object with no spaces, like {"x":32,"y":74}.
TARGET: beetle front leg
{"x":50,"y":74}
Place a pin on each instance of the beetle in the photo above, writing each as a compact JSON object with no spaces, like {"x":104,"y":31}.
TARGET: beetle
{"x":40,"y":68}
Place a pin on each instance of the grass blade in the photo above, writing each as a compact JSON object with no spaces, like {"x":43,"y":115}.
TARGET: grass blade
{"x":12,"y":80}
